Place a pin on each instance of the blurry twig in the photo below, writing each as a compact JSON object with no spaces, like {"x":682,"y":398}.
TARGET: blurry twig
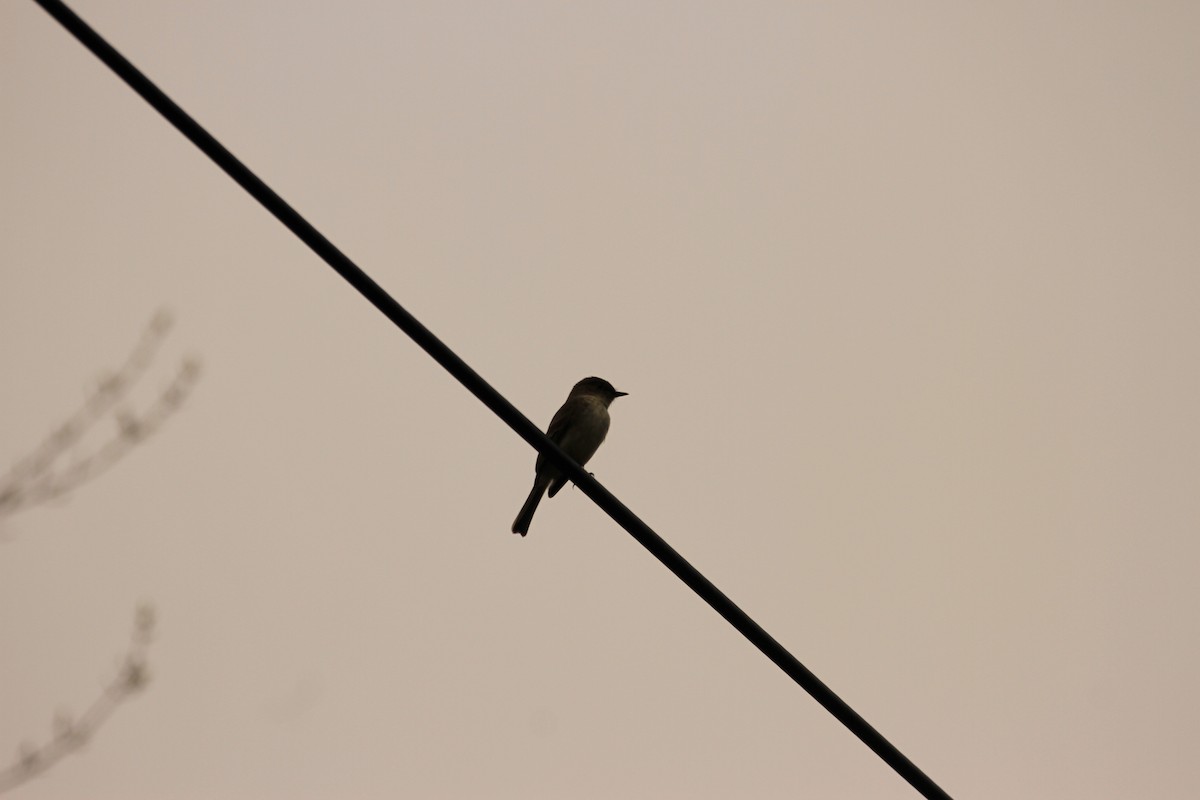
{"x":70,"y":734}
{"x":36,"y":479}
{"x":56,"y":467}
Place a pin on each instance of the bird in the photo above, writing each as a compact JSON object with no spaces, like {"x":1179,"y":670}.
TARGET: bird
{"x":577,"y":428}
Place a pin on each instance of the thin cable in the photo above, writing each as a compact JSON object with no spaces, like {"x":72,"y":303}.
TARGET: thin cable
{"x":492,"y":399}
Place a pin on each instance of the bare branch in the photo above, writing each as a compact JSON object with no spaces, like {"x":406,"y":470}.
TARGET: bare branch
{"x":35,"y":479}
{"x":70,"y":734}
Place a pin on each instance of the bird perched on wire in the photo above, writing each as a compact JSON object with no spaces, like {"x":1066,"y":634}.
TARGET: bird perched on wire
{"x":578,"y":428}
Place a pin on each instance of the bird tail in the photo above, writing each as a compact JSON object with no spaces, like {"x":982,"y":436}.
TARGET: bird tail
{"x":521,"y":523}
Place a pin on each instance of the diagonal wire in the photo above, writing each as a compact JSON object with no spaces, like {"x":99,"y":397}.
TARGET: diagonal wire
{"x":491,"y":398}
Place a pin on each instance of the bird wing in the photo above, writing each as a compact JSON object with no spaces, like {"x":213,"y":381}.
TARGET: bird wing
{"x":561,"y":422}
{"x":557,"y":432}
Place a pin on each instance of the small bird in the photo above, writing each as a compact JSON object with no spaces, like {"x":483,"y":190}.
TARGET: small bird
{"x":578,"y":428}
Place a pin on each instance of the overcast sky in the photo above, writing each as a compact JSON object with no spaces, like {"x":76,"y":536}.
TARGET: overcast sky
{"x":906,"y":300}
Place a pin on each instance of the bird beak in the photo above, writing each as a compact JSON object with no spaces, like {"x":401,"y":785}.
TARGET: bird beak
{"x":620,"y":394}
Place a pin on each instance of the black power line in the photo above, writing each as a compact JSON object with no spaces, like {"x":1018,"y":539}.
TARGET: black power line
{"x":491,"y":398}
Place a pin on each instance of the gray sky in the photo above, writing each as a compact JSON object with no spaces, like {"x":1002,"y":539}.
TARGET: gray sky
{"x":905,"y":297}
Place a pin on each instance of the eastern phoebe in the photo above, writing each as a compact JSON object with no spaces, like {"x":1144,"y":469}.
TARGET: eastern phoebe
{"x":578,"y":428}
